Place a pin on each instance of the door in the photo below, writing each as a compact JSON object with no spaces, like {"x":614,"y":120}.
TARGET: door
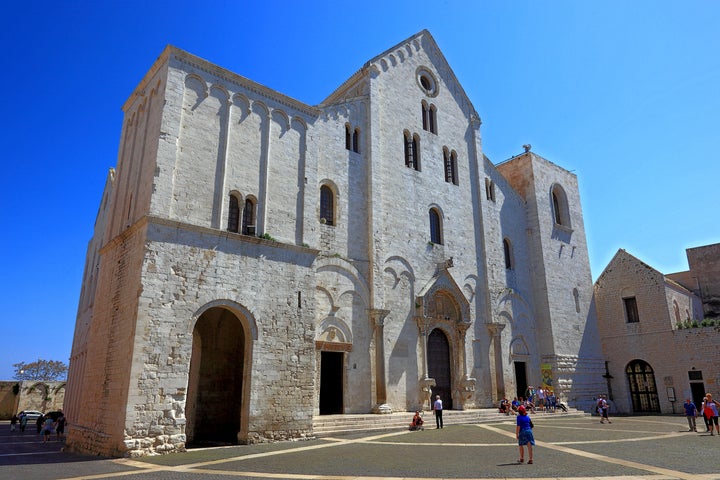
{"x":439,"y":366}
{"x":643,"y":391}
{"x":520,"y":379}
{"x":331,"y":383}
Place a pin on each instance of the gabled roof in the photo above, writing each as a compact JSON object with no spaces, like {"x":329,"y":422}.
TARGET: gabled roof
{"x":623,"y":253}
{"x":423,"y":37}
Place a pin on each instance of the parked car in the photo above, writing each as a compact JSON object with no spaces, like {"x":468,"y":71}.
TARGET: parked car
{"x":32,"y":415}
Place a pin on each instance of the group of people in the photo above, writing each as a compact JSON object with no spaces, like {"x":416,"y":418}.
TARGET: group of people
{"x":709,"y":411}
{"x":45,"y":424}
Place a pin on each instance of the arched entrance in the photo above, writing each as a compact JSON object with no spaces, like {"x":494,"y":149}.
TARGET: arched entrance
{"x":215,"y":387}
{"x":643,"y":391}
{"x":438,"y":349}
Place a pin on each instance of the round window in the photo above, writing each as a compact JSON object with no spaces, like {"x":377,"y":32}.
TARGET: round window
{"x":427,"y":82}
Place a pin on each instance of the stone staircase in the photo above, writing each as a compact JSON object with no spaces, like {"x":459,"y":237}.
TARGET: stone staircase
{"x":328,"y":425}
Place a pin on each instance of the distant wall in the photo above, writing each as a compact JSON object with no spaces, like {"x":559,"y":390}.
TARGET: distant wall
{"x":31,"y":395}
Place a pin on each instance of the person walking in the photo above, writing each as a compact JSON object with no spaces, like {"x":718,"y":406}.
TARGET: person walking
{"x":690,"y":414}
{"x":13,"y":421}
{"x":603,"y":407}
{"x":710,"y":410}
{"x":60,"y":426}
{"x":524,"y":434}
{"x":23,"y":421}
{"x":438,"y":408}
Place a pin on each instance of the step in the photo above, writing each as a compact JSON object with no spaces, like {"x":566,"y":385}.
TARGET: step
{"x":326,"y":425}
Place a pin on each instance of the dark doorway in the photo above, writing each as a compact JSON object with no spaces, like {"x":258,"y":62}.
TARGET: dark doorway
{"x":643,"y":390}
{"x":331,"y":383}
{"x":698,"y":393}
{"x":439,"y":367}
{"x":520,"y":379}
{"x":216,"y":376}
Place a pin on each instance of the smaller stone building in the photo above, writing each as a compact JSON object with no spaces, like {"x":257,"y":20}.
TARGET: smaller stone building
{"x":659,"y":343}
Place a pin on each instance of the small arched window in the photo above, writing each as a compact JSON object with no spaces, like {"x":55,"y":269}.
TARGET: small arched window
{"x":489,"y":189}
{"x":676,"y":309}
{"x":412,"y":151}
{"x":327,"y":205}
{"x":356,"y":141}
{"x":435,"y":227}
{"x":432,"y":119}
{"x":424,"y":115}
{"x":560,"y":207}
{"x":507,"y":248}
{"x":234,"y":214}
{"x":248,"y":220}
{"x":348,"y":137}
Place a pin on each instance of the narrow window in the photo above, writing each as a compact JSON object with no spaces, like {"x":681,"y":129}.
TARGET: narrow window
{"x":507,"y":247}
{"x":327,"y":211}
{"x":234,"y":215}
{"x":432,"y":119}
{"x":416,"y":152}
{"x":676,"y":308}
{"x":356,"y":141}
{"x":424,"y":116}
{"x":453,"y":167}
{"x":348,"y":137}
{"x":408,"y":150}
{"x":435,"y":230}
{"x":576,"y":294}
{"x":556,"y":208}
{"x":631,"y":310}
{"x":448,"y":166}
{"x":248,"y":221}
{"x":489,"y":190}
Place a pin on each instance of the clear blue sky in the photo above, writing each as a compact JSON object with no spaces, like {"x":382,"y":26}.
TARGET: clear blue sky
{"x":624,"y":94}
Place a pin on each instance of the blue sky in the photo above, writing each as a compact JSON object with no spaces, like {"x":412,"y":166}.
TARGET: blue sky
{"x":624,"y":94}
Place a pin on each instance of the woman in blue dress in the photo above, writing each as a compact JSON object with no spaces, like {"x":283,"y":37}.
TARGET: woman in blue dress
{"x":524,"y":434}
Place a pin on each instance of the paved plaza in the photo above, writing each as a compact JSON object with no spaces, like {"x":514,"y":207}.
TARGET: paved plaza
{"x":650,"y":448}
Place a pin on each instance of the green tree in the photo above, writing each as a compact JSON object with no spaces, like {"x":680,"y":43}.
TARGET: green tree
{"x":41,"y":370}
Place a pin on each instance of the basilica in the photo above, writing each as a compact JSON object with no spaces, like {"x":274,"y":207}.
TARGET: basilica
{"x":258,"y":262}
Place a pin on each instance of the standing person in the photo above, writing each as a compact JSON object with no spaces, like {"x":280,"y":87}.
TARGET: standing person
{"x":604,"y":407}
{"x":541,"y":399}
{"x":60,"y":426}
{"x":437,"y":408}
{"x":524,"y":434}
{"x":702,"y":412}
{"x":39,"y":423}
{"x":690,"y":414}
{"x":710,"y":410}
{"x":23,"y":421}
{"x":13,"y":421}
{"x":47,"y":428}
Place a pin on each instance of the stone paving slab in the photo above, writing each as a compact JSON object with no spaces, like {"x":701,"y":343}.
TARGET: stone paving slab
{"x":631,"y":448}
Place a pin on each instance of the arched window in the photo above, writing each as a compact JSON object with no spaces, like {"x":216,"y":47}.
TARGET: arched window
{"x":412,"y":151}
{"x":356,"y":141}
{"x":435,"y":227}
{"x":248,"y":220}
{"x":561,"y":210}
{"x":234,"y":214}
{"x":643,"y":389}
{"x":453,"y":169}
{"x":424,"y":115}
{"x":489,"y":190}
{"x":676,"y":309}
{"x":507,"y":247}
{"x":576,"y":295}
{"x":432,"y":119}
{"x":327,"y":208}
{"x":348,"y":137}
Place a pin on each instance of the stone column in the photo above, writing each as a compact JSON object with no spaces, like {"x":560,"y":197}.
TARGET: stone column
{"x":495,"y":329}
{"x":377,"y":320}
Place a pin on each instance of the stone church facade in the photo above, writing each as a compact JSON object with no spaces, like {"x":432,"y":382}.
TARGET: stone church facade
{"x":258,"y":261}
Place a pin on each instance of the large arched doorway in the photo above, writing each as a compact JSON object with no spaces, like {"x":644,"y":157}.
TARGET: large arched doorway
{"x":643,"y":391}
{"x":439,"y":366}
{"x":215,"y":385}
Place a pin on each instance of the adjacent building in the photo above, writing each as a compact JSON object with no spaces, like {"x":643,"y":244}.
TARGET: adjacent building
{"x":258,"y":261}
{"x":660,"y":333}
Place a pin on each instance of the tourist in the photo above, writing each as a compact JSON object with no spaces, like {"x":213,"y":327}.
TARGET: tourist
{"x":23,"y":421}
{"x":60,"y":426}
{"x":524,"y":434}
{"x":47,"y":428}
{"x":690,"y":414}
{"x":515,"y":404}
{"x":438,"y":408}
{"x":13,"y":421}
{"x":603,"y":408}
{"x":710,"y":410}
{"x":504,"y":406}
{"x":417,"y":422}
{"x":39,"y":423}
